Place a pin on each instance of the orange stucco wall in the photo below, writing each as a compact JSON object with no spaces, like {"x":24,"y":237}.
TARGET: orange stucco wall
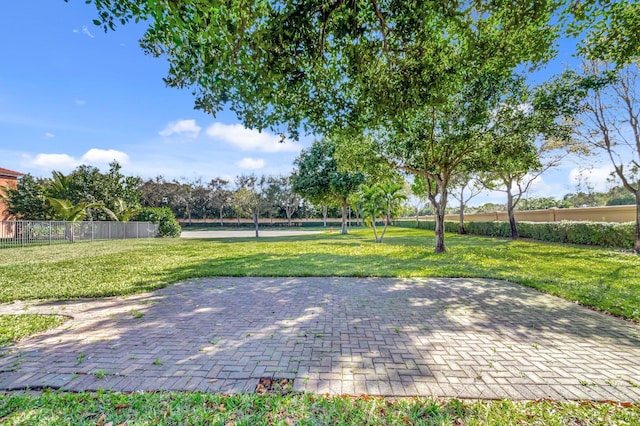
{"x":6,"y":182}
{"x":589,"y":214}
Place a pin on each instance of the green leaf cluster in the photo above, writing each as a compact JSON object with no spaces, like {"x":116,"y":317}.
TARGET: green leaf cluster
{"x":85,"y":193}
{"x":318,"y":178}
{"x":168,"y":226}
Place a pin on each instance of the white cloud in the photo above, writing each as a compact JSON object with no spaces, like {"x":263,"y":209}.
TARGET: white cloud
{"x":84,"y":30}
{"x":80,"y":102}
{"x":251,"y":163}
{"x":62,"y":162}
{"x":541,"y":188}
{"x":250,"y":140}
{"x":181,"y":127}
{"x":104,"y":156}
{"x":596,"y":178}
{"x":49,"y":135}
{"x":65,"y":162}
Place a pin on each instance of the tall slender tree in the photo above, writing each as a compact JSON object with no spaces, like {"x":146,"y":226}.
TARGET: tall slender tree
{"x":318,"y":179}
{"x":610,"y":126}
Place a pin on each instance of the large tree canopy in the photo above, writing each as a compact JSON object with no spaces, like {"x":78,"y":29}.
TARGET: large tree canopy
{"x":332,"y":63}
{"x":607,"y":29}
{"x":427,"y":72}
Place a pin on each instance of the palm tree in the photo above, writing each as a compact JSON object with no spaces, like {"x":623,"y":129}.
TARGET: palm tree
{"x":59,"y":186}
{"x":381,"y":199}
{"x":121,"y":212}
{"x":65,"y":210}
{"x":372,"y":207}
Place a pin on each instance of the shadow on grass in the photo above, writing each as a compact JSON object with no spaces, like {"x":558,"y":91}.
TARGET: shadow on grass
{"x":596,"y":277}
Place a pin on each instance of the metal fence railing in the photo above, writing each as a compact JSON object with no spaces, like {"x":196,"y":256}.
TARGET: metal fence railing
{"x":20,"y":233}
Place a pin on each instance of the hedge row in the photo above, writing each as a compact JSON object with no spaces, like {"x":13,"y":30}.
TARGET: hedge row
{"x":606,"y":234}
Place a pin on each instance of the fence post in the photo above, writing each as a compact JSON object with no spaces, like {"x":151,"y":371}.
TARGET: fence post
{"x":50,"y":227}
{"x":137,"y":230}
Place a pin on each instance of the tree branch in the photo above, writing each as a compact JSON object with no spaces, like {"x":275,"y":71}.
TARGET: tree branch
{"x":383,"y":26}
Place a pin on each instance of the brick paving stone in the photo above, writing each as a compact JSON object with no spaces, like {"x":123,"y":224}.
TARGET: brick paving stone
{"x":395,"y":337}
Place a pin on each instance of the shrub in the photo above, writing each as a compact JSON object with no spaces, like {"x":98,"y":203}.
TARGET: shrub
{"x":168,"y":226}
{"x":606,"y":234}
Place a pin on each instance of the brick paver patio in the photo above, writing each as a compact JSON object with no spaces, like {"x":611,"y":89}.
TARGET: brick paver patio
{"x":466,"y":338}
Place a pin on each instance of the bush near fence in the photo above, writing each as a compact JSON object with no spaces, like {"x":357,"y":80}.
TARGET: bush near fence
{"x":605,"y":234}
{"x":162,"y":216}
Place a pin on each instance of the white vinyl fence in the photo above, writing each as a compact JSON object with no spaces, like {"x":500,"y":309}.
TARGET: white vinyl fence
{"x":20,"y":233}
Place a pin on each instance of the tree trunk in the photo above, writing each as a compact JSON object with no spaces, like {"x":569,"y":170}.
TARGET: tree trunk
{"x":344,"y":217}
{"x":511,"y":213}
{"x":324,"y":216}
{"x":375,"y":229}
{"x":289,"y":214}
{"x":417,"y":216}
{"x":439,"y":211}
{"x":221,"y":219}
{"x":439,"y":214}
{"x":386,"y":223}
{"x":462,"y":230}
{"x":636,"y":243}
{"x":255,"y":221}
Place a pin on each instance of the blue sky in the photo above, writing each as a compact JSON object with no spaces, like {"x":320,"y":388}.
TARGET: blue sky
{"x":71,"y":94}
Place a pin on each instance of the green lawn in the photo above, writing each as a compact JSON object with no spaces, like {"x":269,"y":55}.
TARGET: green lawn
{"x":601,"y":278}
{"x":15,"y":327}
{"x":55,"y":408}
{"x":604,"y":279}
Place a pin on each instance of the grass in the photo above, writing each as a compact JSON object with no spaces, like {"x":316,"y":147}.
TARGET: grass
{"x":57,"y":408}
{"x":605,"y":279}
{"x":15,"y":327}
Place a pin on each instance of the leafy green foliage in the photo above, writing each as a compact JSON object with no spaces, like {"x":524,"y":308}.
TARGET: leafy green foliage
{"x":331,"y":65}
{"x":604,"y":234}
{"x":28,"y":200}
{"x":168,"y":226}
{"x":121,"y":211}
{"x":318,"y":179}
{"x":65,"y":210}
{"x":611,"y":127}
{"x":595,"y":277}
{"x":84,"y":193}
{"x":381,"y":200}
{"x":88,"y":184}
{"x":608,"y":29}
{"x":281,"y":196}
{"x":16,"y":327}
{"x":301,"y":409}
